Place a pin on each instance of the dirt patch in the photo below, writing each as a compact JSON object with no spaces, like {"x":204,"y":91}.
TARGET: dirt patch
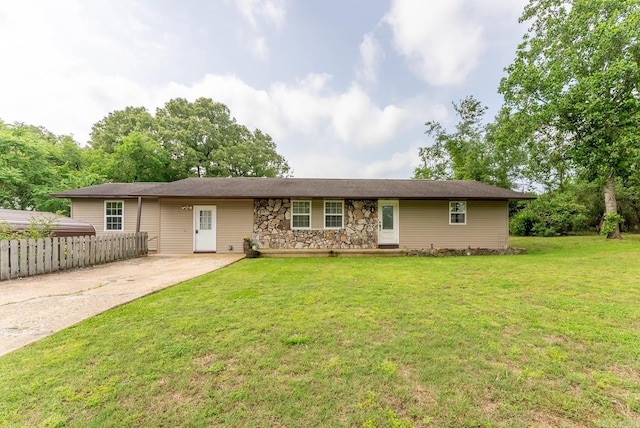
{"x":626,"y":373}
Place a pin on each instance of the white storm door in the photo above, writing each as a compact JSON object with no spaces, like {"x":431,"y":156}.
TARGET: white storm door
{"x":387,"y":222}
{"x":204,"y":228}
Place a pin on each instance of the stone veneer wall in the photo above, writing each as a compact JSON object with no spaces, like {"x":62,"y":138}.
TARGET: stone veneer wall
{"x":272,"y":226}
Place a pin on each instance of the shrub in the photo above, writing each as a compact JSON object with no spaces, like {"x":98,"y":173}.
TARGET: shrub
{"x":549,"y":215}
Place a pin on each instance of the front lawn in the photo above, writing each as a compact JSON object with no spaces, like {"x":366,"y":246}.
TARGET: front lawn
{"x":551,"y":338}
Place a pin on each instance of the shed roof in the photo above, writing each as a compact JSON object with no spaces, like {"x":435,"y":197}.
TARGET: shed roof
{"x":250,"y":188}
{"x":63,"y":226}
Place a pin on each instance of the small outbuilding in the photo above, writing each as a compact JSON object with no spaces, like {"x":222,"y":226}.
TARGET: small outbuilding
{"x":19,"y":220}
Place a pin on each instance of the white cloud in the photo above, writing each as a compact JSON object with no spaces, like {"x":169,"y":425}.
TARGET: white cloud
{"x":321,"y":133}
{"x":272,"y":11}
{"x":305,"y":107}
{"x":441,"y":43}
{"x":399,"y":161}
{"x":256,"y":12}
{"x":444,"y":41}
{"x":259,"y":48}
{"x":371,"y":53}
{"x":72,"y":64}
{"x":356,"y":119}
{"x":54,"y":54}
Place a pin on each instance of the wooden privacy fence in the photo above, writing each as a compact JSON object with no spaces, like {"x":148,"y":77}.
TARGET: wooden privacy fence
{"x":26,"y":257}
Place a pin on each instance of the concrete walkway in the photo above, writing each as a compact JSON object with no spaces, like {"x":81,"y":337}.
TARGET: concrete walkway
{"x":34,"y":307}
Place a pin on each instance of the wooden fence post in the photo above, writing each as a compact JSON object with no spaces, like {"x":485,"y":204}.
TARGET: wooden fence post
{"x":14,"y":250}
{"x":32,"y":257}
{"x":4,"y":259}
{"x":69,"y":252}
{"x":63,"y":253}
{"x":55,"y":254}
{"x":24,"y":259}
{"x":47,"y":255}
{"x":80,"y":251}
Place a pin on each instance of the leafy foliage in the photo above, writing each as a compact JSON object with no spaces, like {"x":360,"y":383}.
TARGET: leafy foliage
{"x":184,"y":139}
{"x":109,"y":132}
{"x":35,"y":163}
{"x":40,"y":226}
{"x":205,"y":140}
{"x":610,"y":222}
{"x":550,"y":215}
{"x":573,"y":88}
{"x":469,"y":153}
{"x":139,"y":158}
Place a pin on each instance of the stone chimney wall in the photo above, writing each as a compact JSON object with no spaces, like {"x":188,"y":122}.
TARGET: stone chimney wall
{"x":272,"y":226}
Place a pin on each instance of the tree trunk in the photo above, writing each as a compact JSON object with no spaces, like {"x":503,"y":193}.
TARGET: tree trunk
{"x":610,"y":204}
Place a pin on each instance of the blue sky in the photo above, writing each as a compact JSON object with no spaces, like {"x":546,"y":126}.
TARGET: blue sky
{"x":343,"y":86}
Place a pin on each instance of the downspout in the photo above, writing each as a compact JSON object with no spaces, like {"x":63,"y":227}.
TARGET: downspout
{"x":139,"y":214}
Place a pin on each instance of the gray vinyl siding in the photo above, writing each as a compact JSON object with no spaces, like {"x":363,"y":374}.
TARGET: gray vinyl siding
{"x":426,"y":223}
{"x":92,"y":211}
{"x":234,"y":221}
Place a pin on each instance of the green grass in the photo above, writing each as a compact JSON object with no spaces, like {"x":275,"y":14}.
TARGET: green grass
{"x":551,"y":338}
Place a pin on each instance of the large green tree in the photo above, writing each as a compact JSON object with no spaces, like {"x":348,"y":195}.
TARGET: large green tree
{"x":108,"y":133}
{"x":183,"y":139}
{"x":205,"y":140}
{"x":34,"y":163}
{"x":139,"y":158}
{"x":574,"y":88}
{"x":468,"y":153}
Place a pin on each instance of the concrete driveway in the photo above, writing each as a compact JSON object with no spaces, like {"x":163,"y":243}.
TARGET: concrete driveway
{"x":34,"y":307}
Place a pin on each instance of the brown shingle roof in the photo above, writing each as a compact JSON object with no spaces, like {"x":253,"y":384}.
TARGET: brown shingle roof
{"x":250,"y":188}
{"x":330,"y":188}
{"x":107,"y":190}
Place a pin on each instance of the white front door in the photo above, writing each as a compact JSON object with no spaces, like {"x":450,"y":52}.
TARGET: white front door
{"x":204,"y":228}
{"x":387,"y":222}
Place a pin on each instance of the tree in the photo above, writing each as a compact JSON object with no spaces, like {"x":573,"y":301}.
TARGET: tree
{"x":574,"y":86}
{"x":110,"y":132}
{"x":254,"y":156}
{"x":198,"y":138}
{"x":23,"y":166}
{"x":204,"y":140}
{"x":137,"y":159}
{"x":469,"y":153}
{"x":35,"y":163}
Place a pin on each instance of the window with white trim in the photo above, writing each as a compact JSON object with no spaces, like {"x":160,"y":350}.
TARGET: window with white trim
{"x":457,"y":212}
{"x":301,"y":214}
{"x":114,"y":216}
{"x":333,"y":214}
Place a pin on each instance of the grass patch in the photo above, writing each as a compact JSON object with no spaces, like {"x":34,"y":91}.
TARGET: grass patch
{"x":547,"y":339}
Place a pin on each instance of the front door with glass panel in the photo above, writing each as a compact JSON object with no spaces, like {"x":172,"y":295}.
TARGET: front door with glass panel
{"x":204,"y":228}
{"x":387,"y":222}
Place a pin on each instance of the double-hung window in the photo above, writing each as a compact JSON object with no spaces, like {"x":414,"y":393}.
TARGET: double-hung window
{"x":457,"y":212}
{"x":114,"y":216}
{"x":333,"y":214}
{"x":301,"y":214}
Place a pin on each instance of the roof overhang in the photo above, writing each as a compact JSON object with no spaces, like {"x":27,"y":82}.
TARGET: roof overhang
{"x":299,"y":188}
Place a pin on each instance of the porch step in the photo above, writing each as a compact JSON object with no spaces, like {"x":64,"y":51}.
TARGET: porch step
{"x":336,"y":252}
{"x":388,"y":246}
